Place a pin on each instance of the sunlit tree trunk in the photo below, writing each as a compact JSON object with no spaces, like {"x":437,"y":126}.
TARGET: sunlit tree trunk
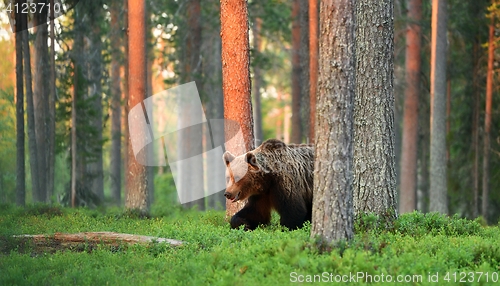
{"x":438,"y":181}
{"x":313,"y":64}
{"x":332,"y":216}
{"x":296,"y":132}
{"x":20,"y":165}
{"x":408,"y":173}
{"x":137,"y":191}
{"x":51,"y":138}
{"x":30,"y":108}
{"x":115,"y":160}
{"x":125,"y":95}
{"x":236,"y":79}
{"x":487,"y":120}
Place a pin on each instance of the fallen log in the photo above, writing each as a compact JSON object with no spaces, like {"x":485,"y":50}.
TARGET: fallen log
{"x":67,"y":240}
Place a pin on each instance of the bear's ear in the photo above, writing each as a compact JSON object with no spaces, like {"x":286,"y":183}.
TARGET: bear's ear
{"x":227,"y":157}
{"x":251,"y":160}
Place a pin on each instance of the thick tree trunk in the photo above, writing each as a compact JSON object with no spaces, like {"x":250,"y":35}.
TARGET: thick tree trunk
{"x":374,"y":160}
{"x":125,"y":96}
{"x":408,"y":186}
{"x":236,"y":80}
{"x":296,"y":134}
{"x":438,"y":179}
{"x":487,"y":120}
{"x":257,"y":82}
{"x":137,"y":191}
{"x":313,"y":64}
{"x":20,"y":165}
{"x":115,"y":160}
{"x":332,"y":215}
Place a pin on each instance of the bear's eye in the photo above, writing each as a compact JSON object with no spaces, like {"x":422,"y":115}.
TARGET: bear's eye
{"x":236,"y":179}
{"x":227,"y":180}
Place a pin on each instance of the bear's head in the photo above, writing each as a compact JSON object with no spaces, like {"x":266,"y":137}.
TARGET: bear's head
{"x":244,"y":176}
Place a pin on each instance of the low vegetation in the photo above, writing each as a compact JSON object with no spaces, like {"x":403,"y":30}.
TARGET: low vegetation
{"x":418,"y":248}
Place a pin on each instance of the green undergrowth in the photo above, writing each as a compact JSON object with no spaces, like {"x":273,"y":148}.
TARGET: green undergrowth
{"x":416,"y":247}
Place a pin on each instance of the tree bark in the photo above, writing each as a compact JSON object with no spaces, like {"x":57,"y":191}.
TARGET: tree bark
{"x":408,"y":186}
{"x":41,"y":102}
{"x":115,"y":160}
{"x":236,"y":80}
{"x":304,"y":68}
{"x":374,"y":160}
{"x":137,"y":191}
{"x":20,"y":165}
{"x":51,"y":138}
{"x":332,"y":215}
{"x":487,"y":120}
{"x":296,"y":134}
{"x":438,"y":179}
{"x":475,"y":128}
{"x":313,"y":64}
{"x":126,"y":93}
{"x":33,"y":151}
{"x":95,"y":71}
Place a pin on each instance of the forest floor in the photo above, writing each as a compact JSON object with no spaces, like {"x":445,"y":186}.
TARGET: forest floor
{"x":417,"y":250}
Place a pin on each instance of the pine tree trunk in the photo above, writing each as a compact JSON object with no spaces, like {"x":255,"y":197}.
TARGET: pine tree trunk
{"x":438,"y":179}
{"x":236,"y":80}
{"x":374,"y":160}
{"x":212,"y":86}
{"x":408,"y":186}
{"x":487,"y":120}
{"x":304,"y":68}
{"x":41,"y":103}
{"x":296,"y":134}
{"x":137,"y":191}
{"x":20,"y":165}
{"x":115,"y":160}
{"x":126,"y":94}
{"x":313,"y":64}
{"x":30,"y":108}
{"x":95,"y":167}
{"x":332,"y":216}
{"x":51,"y":138}
{"x":475,"y":128}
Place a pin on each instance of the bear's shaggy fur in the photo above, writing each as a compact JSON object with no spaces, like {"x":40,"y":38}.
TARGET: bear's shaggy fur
{"x":273,"y":176}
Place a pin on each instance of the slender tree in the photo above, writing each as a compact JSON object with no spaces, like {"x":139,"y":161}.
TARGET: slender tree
{"x":313,"y":64}
{"x":236,"y":80}
{"x":137,"y":192}
{"x":51,"y":137}
{"x":296,"y":133}
{"x":408,"y":187}
{"x":332,"y":216}
{"x":41,"y":101}
{"x":304,"y":68}
{"x":115,"y":160}
{"x":20,"y":166}
{"x":438,"y":179}
{"x":487,"y":119}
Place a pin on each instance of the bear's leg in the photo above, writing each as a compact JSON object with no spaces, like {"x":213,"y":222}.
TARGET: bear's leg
{"x":257,"y":211}
{"x":293,"y":212}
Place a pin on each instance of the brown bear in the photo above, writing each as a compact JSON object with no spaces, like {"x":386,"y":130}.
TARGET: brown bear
{"x":273,"y":176}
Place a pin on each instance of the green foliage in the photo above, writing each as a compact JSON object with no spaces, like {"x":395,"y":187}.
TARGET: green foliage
{"x":214,"y":254}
